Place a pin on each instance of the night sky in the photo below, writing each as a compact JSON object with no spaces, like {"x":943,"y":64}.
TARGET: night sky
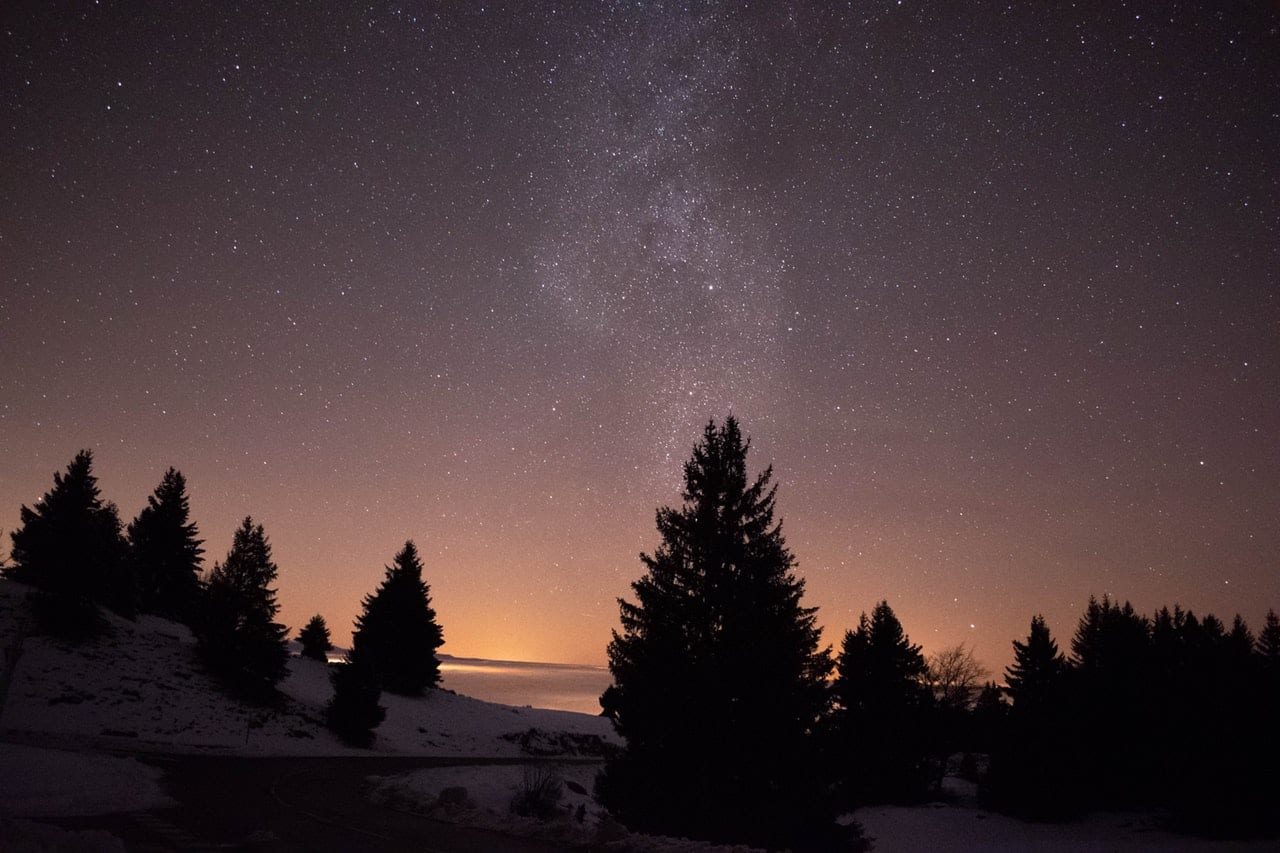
{"x":994,"y":287}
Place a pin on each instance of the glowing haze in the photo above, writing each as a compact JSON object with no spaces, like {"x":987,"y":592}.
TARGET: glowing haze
{"x":995,"y":293}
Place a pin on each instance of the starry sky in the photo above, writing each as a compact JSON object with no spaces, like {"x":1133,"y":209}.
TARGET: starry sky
{"x":994,"y":287}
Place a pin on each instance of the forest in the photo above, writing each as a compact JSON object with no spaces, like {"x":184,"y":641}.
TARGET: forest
{"x":739,"y":725}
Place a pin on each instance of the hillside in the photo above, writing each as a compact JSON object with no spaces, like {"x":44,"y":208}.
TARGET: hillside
{"x":141,"y":686}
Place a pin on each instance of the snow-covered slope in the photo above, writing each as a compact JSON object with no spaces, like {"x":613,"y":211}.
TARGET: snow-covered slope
{"x":142,"y":685}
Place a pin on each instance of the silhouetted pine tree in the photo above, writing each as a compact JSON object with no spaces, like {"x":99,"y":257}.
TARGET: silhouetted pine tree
{"x":165,"y":550}
{"x":1213,"y":635}
{"x":353,"y":712}
{"x":1240,"y":641}
{"x":69,"y":545}
{"x":397,"y":635}
{"x":1112,"y":653}
{"x":1167,"y":640}
{"x":718,"y":677}
{"x":315,"y":639}
{"x":1206,"y":700}
{"x":1111,"y":639}
{"x":239,"y":637}
{"x":1170,"y":712}
{"x":882,"y":721}
{"x":1035,"y":768}
{"x":1037,"y":667}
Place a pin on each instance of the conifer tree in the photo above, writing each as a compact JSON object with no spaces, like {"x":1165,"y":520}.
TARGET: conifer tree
{"x":397,"y":635}
{"x":883,"y":711}
{"x":1037,"y":667}
{"x":239,"y":637}
{"x":70,"y":546}
{"x":1212,"y":631}
{"x":718,"y":677}
{"x":164,"y":546}
{"x":1167,"y":639}
{"x":1113,"y":656}
{"x":315,"y":639}
{"x":1240,"y":641}
{"x":353,"y":711}
{"x":1036,"y":764}
{"x":879,"y":663}
{"x":1111,"y":642}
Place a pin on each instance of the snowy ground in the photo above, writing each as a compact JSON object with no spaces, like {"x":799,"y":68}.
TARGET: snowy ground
{"x":25,"y":836}
{"x":491,"y":791}
{"x":953,"y":828}
{"x":141,"y":687}
{"x":950,"y":827}
{"x":960,"y":826}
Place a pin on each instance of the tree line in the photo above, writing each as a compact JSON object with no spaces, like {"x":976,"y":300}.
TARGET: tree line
{"x":73,"y":549}
{"x":739,"y":726}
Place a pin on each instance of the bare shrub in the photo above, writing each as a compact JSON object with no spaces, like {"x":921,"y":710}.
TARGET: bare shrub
{"x":541,"y":788}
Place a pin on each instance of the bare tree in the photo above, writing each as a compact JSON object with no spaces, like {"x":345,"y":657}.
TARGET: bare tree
{"x":956,"y":676}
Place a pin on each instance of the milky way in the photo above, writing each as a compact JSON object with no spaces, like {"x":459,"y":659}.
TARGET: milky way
{"x":994,"y":288}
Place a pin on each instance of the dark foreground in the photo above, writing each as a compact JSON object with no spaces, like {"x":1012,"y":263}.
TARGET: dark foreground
{"x":276,"y":805}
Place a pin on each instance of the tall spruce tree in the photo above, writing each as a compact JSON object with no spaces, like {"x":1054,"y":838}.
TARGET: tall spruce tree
{"x":70,"y":546}
{"x":1037,"y":667}
{"x":883,"y":716}
{"x":1113,"y":656}
{"x":718,"y":676}
{"x":1240,"y":640}
{"x":397,"y":635}
{"x":1112,"y":641}
{"x":1035,"y":760}
{"x":315,"y":639}
{"x":164,"y":546}
{"x":239,"y":637}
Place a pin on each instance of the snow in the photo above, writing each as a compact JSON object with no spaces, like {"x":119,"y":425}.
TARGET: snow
{"x":24,"y":836}
{"x":448,"y":724}
{"x":944,"y":827}
{"x":36,"y":782}
{"x":961,"y":825}
{"x":948,"y":828}
{"x":491,"y":790}
{"x":141,"y":687}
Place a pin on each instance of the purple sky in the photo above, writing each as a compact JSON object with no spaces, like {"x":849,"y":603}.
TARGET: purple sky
{"x":996,"y":291}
